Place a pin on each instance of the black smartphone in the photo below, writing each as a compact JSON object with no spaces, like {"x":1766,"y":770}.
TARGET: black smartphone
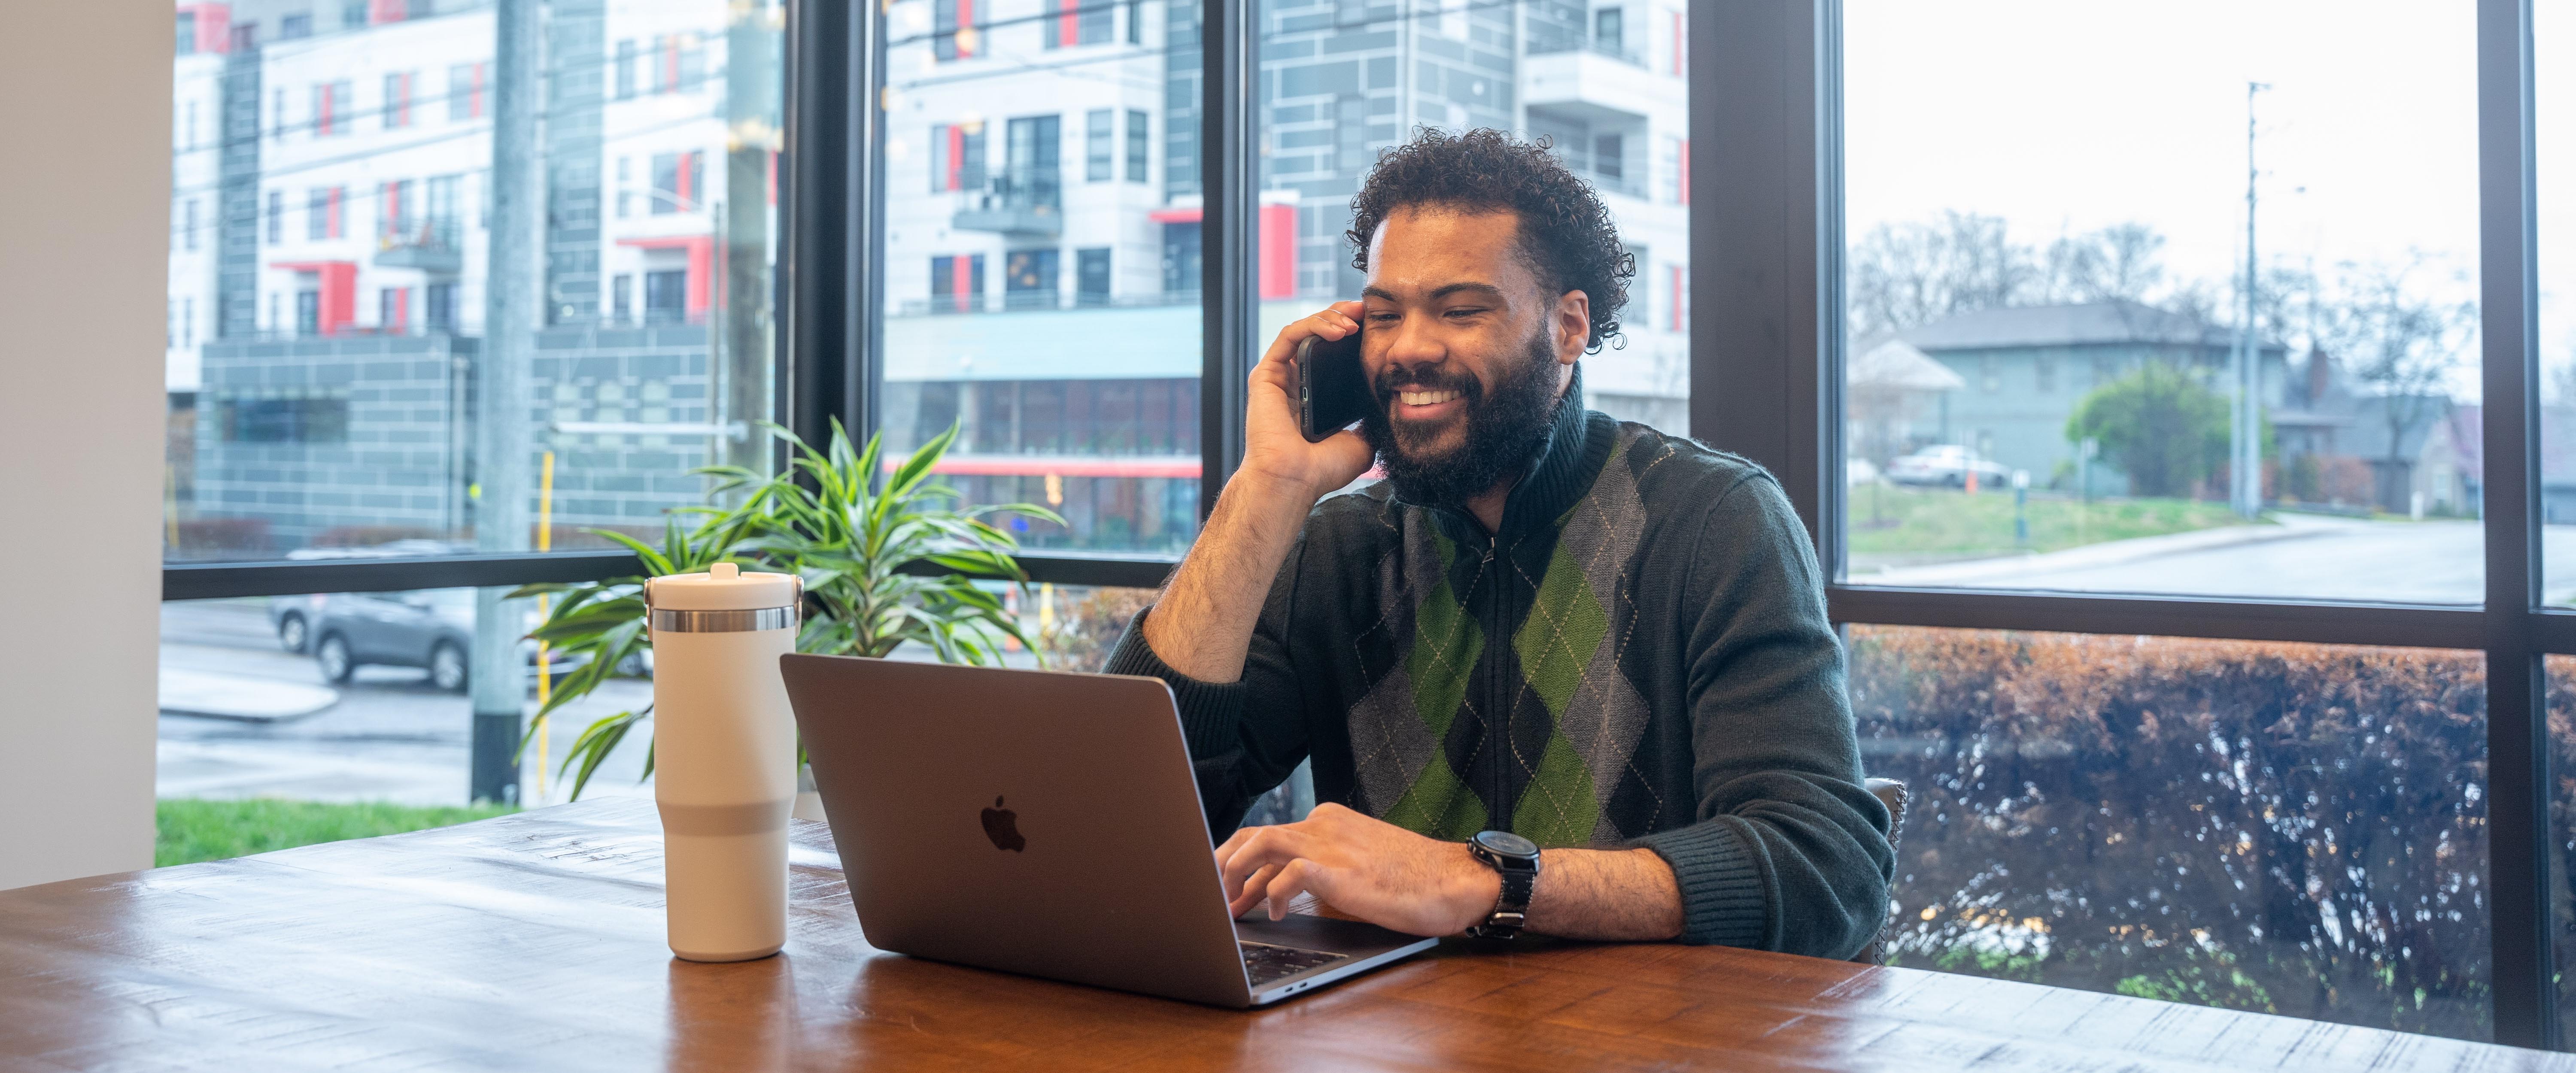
{"x":1332,"y":385}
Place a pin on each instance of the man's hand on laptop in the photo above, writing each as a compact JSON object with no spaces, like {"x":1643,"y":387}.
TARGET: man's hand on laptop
{"x":1364,"y":867}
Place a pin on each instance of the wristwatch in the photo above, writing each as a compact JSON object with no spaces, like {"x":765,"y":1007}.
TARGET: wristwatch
{"x":1516,"y":860}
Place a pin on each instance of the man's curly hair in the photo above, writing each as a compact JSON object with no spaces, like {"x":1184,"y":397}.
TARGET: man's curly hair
{"x":1566,"y":234}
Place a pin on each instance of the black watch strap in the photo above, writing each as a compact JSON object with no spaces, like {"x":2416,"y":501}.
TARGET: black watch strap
{"x":1516,"y":860}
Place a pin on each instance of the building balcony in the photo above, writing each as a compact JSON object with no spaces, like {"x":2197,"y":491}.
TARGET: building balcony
{"x":1031,"y":206}
{"x":434,"y":246}
{"x":1587,"y":86}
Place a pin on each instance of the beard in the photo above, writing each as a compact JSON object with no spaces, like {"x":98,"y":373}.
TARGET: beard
{"x":1501,"y":428}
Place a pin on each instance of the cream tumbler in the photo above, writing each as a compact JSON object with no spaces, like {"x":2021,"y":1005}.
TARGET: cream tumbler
{"x":724,"y":756}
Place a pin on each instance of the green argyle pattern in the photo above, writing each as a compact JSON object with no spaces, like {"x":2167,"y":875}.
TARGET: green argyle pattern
{"x":1446,"y":740}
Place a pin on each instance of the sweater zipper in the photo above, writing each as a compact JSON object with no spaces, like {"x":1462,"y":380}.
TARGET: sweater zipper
{"x":1498,"y":727}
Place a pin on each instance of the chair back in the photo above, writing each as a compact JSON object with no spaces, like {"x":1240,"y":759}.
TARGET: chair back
{"x":1890,"y":793}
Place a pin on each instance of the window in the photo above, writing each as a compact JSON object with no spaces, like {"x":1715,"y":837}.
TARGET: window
{"x":187,"y":33}
{"x":188,"y":225}
{"x":1091,"y":277}
{"x":625,"y":66}
{"x":294,"y":26}
{"x":393,"y":310}
{"x":957,"y":284}
{"x":1076,"y":22}
{"x":1097,"y":137}
{"x":353,"y":14}
{"x":2310,"y":434}
{"x":438,"y":307}
{"x":1346,"y":87}
{"x":395,"y":212}
{"x":397,"y":106}
{"x":1139,"y":138}
{"x":391,"y":301}
{"x":322,"y":213}
{"x":625,"y":192}
{"x":956,"y":156}
{"x":282,"y":418}
{"x":1608,"y":29}
{"x":621,"y":292}
{"x":676,"y":180}
{"x":1108,"y":438}
{"x":958,"y":36}
{"x":331,"y":105}
{"x":2292,"y":828}
{"x":464,"y":91}
{"x":1029,"y":280}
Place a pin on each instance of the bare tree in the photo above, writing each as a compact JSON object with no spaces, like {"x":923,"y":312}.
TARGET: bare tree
{"x":1907,"y":274}
{"x":2115,"y":263}
{"x":2400,"y":344}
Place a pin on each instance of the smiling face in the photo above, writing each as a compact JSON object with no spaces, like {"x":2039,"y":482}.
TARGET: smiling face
{"x":1467,"y":350}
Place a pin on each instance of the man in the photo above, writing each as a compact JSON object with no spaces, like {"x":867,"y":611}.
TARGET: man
{"x":1606,"y":640}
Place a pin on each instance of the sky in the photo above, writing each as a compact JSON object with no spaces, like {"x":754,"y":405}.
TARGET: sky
{"x":2062,"y":117}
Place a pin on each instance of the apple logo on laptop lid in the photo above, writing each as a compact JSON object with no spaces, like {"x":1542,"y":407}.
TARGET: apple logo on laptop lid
{"x":1003,"y":827}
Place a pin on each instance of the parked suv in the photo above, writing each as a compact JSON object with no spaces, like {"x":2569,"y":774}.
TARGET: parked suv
{"x":432,"y":629}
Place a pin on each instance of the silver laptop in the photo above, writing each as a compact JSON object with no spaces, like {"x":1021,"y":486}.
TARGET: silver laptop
{"x":1048,"y":824}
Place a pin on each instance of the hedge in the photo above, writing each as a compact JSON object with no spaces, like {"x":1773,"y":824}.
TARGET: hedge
{"x":2294,"y":829}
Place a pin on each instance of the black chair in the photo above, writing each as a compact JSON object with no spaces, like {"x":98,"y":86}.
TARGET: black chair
{"x":1890,"y":793}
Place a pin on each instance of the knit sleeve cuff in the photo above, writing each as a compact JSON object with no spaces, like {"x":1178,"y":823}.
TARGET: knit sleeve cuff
{"x":1725,"y":898}
{"x":1209,"y":710}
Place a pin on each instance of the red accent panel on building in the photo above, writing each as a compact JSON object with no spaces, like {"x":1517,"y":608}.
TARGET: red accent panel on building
{"x":702,"y":262}
{"x":966,"y":43}
{"x":670,"y":65}
{"x":1176,"y":216}
{"x":474,"y":100}
{"x":1677,"y":42}
{"x":339,"y":294}
{"x":1066,"y":32}
{"x":687,"y":192}
{"x":772,"y":175}
{"x":389,"y":208}
{"x":1684,"y":192}
{"x":961,"y":282}
{"x":214,"y":26}
{"x":380,"y":12}
{"x":326,"y":108}
{"x":1278,"y":246}
{"x":1675,"y":306}
{"x":402,"y":99}
{"x":331,"y":228}
{"x":956,"y":156}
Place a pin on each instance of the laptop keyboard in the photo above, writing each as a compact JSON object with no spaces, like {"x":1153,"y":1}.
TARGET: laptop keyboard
{"x":1267,"y":963}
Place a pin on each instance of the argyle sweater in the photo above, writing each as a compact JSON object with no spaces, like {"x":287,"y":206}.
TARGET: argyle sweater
{"x":1639,"y":657}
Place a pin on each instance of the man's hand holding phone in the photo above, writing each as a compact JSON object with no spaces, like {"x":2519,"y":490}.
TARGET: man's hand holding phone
{"x":1274,"y":441}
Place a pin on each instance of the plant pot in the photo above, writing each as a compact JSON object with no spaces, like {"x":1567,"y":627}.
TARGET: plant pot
{"x":809,"y":804}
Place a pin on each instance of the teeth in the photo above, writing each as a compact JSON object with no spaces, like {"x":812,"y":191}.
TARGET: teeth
{"x":1426,"y":398}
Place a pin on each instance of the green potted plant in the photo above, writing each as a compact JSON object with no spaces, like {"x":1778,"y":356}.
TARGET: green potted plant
{"x":886,"y":558}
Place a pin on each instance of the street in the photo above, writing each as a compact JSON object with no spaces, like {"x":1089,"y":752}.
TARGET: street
{"x":390,"y":736}
{"x":2301,"y":557}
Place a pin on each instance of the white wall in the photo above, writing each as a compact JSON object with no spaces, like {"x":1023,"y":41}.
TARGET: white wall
{"x":84,"y":217}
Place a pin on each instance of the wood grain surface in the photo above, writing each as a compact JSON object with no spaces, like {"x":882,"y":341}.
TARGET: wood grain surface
{"x":535,"y":942}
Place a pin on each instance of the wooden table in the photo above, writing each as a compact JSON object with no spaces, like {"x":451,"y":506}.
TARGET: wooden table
{"x":534,"y":942}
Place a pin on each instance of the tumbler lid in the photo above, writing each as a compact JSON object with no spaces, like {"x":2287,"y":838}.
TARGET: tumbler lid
{"x":724,"y":587}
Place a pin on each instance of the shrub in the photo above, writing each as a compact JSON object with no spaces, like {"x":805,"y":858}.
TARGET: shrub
{"x":2295,"y":829}
{"x":2158,"y":425}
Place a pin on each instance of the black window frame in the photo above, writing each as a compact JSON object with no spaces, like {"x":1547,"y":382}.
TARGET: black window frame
{"x":1765,"y":314}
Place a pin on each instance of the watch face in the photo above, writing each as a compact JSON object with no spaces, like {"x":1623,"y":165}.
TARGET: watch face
{"x":1506,"y":844}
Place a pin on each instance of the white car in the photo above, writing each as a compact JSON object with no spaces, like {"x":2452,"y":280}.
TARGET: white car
{"x":1947,"y":464}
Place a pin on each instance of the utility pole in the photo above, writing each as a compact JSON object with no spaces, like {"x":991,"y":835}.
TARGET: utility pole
{"x":512,"y":312}
{"x":753,"y":30}
{"x":2245,"y":362}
